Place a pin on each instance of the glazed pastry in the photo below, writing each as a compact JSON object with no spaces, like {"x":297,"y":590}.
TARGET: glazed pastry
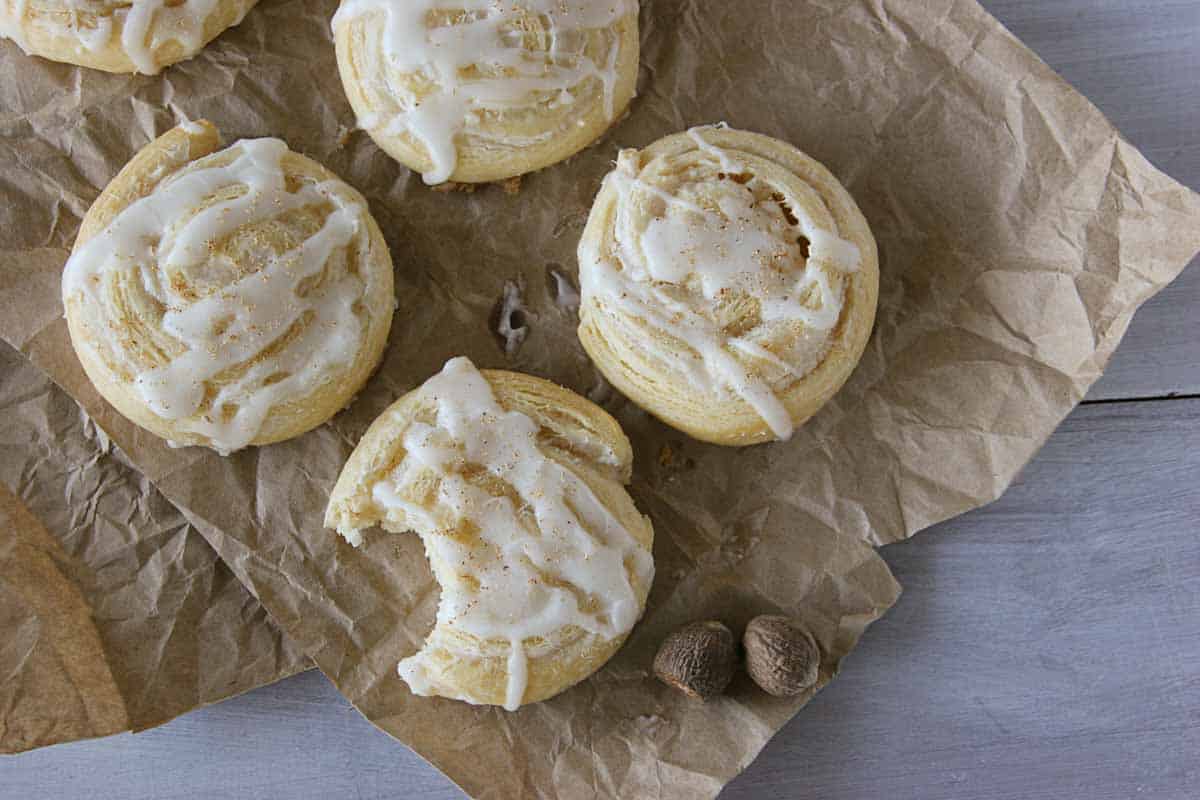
{"x":728,"y":283}
{"x":482,"y":90}
{"x":227,"y":297}
{"x":118,"y":35}
{"x":515,"y":487}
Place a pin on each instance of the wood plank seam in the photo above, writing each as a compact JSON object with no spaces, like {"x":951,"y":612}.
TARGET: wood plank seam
{"x":1107,"y":401}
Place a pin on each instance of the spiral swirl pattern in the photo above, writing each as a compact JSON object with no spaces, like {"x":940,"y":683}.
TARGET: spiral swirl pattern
{"x":228,"y":298}
{"x":515,"y":486}
{"x":728,"y":283}
{"x":118,"y":36}
{"x":482,"y":90}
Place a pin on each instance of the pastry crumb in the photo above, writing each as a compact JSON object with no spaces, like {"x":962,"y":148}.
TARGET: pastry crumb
{"x":454,"y":186}
{"x":666,"y":456}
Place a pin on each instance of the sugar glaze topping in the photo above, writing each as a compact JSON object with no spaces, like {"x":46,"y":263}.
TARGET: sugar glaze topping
{"x":475,"y":57}
{"x":218,"y":316}
{"x":691,"y":243}
{"x":141,"y":25}
{"x":519,"y":565}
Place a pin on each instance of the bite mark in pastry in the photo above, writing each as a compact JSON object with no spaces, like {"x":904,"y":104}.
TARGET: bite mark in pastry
{"x":729,"y":284}
{"x":515,"y":486}
{"x":227,"y":298}
{"x":482,"y":90}
{"x":118,"y":36}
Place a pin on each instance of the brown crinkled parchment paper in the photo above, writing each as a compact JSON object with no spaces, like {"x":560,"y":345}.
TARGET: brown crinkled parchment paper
{"x":115,"y":614}
{"x":1018,"y":234}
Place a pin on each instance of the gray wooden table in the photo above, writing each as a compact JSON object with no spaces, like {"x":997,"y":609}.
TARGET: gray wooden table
{"x":1047,"y":646}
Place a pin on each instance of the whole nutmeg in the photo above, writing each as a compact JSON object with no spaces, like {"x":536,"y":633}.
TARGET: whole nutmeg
{"x":781,"y":656}
{"x":698,"y":659}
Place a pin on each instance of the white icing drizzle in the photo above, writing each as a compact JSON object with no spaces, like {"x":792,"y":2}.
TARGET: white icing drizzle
{"x":190,"y":127}
{"x":164,"y":238}
{"x":566,"y":296}
{"x":671,"y":271}
{"x":481,"y":63}
{"x":144,"y":25}
{"x":558,"y":558}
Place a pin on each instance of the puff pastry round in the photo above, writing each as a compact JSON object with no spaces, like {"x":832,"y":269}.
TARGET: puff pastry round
{"x":728,"y":283}
{"x":118,"y":35}
{"x":482,"y":90}
{"x":515,"y":486}
{"x":227,"y":297}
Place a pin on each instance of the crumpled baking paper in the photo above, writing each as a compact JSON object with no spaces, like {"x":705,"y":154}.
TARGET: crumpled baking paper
{"x":1018,"y":234}
{"x":115,"y":614}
